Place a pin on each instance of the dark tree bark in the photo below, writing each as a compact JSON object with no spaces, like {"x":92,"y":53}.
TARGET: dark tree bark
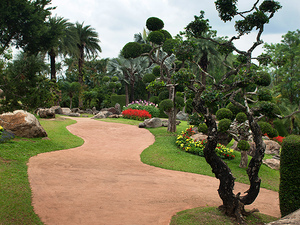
{"x":52,"y":65}
{"x":233,"y":204}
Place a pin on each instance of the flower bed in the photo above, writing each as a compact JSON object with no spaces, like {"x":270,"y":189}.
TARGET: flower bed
{"x":187,"y":144}
{"x":136,"y":114}
{"x":5,"y":135}
{"x":143,"y":105}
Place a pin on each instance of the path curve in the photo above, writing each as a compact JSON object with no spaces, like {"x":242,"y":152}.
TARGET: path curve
{"x":103,"y":182}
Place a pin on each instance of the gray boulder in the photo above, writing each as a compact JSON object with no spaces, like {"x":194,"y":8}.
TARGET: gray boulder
{"x":66,"y":111}
{"x":22,"y":124}
{"x":272,"y":163}
{"x":291,"y":219}
{"x":272,"y":147}
{"x":182,"y":116}
{"x":46,"y":113}
{"x":102,"y":115}
{"x":118,"y":108}
{"x":57,"y":109}
{"x":153,"y":123}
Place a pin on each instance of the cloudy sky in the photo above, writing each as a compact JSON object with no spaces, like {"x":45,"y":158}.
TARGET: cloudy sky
{"x":116,"y":21}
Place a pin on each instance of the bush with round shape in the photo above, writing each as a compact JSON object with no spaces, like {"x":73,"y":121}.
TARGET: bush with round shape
{"x":112,"y":85}
{"x":224,"y":113}
{"x":114,"y":79}
{"x":163,"y":95}
{"x":119,"y":85}
{"x":149,"y":77}
{"x":154,"y":99}
{"x":262,"y":79}
{"x":233,"y":108}
{"x":156,"y":37}
{"x":132,"y":50}
{"x":203,"y":128}
{"x":154,"y":23}
{"x":195,"y":119}
{"x":224,"y":125}
{"x":189,"y":106}
{"x":105,"y":79}
{"x":179,"y":102}
{"x":146,"y":48}
{"x":264,"y":95}
{"x":156,"y":71}
{"x":243,"y":145}
{"x":269,"y":109}
{"x":166,"y":34}
{"x":166,"y":105}
{"x":289,"y":191}
{"x":267,"y":128}
{"x":169,"y":46}
{"x":241,"y":117}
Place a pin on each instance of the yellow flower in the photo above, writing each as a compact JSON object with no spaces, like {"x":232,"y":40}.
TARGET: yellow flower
{"x":182,"y":145}
{"x":1,"y":128}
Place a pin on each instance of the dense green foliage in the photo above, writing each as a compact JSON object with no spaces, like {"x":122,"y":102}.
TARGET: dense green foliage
{"x":289,"y":192}
{"x":224,"y":125}
{"x":243,"y":145}
{"x":241,"y":117}
{"x":154,"y":24}
{"x":224,"y":113}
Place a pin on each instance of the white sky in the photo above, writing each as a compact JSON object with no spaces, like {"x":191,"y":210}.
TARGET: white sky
{"x":116,"y":21}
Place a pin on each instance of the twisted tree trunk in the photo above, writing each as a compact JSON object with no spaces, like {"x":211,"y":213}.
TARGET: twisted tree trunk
{"x":233,"y":204}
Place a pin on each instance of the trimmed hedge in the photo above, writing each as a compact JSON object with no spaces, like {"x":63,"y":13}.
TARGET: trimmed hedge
{"x":289,"y":188}
{"x":224,"y":113}
{"x":121,"y":99}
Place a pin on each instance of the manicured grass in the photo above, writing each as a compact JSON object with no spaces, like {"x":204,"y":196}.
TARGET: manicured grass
{"x":212,"y":216}
{"x":165,"y":154}
{"x":15,"y":192}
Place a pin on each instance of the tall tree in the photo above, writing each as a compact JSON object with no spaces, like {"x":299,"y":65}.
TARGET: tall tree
{"x":22,"y":23}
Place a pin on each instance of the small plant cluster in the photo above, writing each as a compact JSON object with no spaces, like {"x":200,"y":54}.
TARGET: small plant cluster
{"x":278,"y":139}
{"x":150,"y":107}
{"x":136,"y":114}
{"x":186,"y":143}
{"x":5,"y":135}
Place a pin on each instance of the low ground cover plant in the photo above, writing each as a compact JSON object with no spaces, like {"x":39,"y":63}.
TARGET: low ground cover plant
{"x":186,"y":143}
{"x":136,"y":114}
{"x":5,"y":135}
{"x":144,"y":105}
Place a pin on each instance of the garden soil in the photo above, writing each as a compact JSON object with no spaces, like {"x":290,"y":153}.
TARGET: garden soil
{"x":103,"y":182}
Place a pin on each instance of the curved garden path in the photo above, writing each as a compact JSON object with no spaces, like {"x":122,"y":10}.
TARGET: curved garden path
{"x":104,"y":182}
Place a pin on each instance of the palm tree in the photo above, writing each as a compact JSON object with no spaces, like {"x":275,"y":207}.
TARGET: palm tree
{"x":60,"y":41}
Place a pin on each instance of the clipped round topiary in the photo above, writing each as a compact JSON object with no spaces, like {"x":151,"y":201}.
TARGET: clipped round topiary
{"x":156,"y":71}
{"x":154,"y":99}
{"x":233,"y":108}
{"x":114,"y":79}
{"x":243,"y":145}
{"x":224,"y":125}
{"x":132,"y":50}
{"x":146,"y":48}
{"x":262,"y":79}
{"x":166,"y":105}
{"x":149,"y":77}
{"x":154,"y":23}
{"x":289,"y":190}
{"x":105,"y":79}
{"x":119,"y":85}
{"x":169,"y":45}
{"x":241,"y":117}
{"x":179,"y":102}
{"x":264,"y":95}
{"x":112,"y":85}
{"x":156,"y":37}
{"x":166,"y":34}
{"x":224,"y":113}
{"x":163,"y":95}
{"x":267,"y":128}
{"x":203,"y":128}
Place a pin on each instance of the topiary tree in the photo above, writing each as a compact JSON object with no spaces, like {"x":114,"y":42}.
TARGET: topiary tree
{"x":233,"y":86}
{"x":289,"y":192}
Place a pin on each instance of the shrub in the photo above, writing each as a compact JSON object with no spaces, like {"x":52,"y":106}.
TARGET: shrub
{"x":156,"y":71}
{"x":169,"y":46}
{"x":156,"y":37}
{"x":144,"y":105}
{"x":166,"y":34}
{"x":148,"y":78}
{"x":136,"y":114}
{"x":262,"y":79}
{"x":154,"y":23}
{"x":241,"y":117}
{"x":121,"y":99}
{"x":146,"y":48}
{"x":132,"y":50}
{"x":166,"y":105}
{"x":5,"y":135}
{"x":224,"y":125}
{"x":234,"y":109}
{"x":289,"y":191}
{"x":224,"y":113}
{"x":243,"y":145}
{"x":203,"y":128}
{"x":163,"y":95}
{"x":154,"y":99}
{"x":189,"y":106}
{"x":266,"y":128}
{"x":189,"y":145}
{"x":264,"y":95}
{"x":195,"y":119}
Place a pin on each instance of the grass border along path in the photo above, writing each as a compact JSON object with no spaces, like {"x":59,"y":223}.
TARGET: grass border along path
{"x":15,"y":192}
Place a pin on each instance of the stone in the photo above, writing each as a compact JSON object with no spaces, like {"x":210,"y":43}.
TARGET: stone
{"x":272,"y":147}
{"x":75,"y":110}
{"x":89,"y":111}
{"x":102,"y":115}
{"x":291,"y":219}
{"x":22,"y":124}
{"x":118,"y":108}
{"x":142,"y":125}
{"x":114,"y":116}
{"x":73,"y":114}
{"x":153,"y":122}
{"x":182,"y":116}
{"x":272,"y":163}
{"x":57,"y":109}
{"x":166,"y":122}
{"x":66,"y":111}
{"x":199,"y":137}
{"x":46,"y":113}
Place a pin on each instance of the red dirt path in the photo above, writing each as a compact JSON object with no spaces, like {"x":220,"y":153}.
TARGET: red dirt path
{"x":104,"y":182}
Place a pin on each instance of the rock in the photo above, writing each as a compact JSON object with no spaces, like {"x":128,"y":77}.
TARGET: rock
{"x":66,"y":111}
{"x":57,"y":109}
{"x":1,"y":91}
{"x":22,"y":124}
{"x":272,"y":147}
{"x":75,"y":110}
{"x":199,"y":137}
{"x":46,"y":113}
{"x":166,"y":122}
{"x":73,"y":114}
{"x":142,"y":125}
{"x":118,"y":108}
{"x":272,"y":163}
{"x":114,"y":116}
{"x":182,"y":116}
{"x":291,"y":219}
{"x":153,"y":122}
{"x":102,"y":115}
{"x":89,"y":111}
